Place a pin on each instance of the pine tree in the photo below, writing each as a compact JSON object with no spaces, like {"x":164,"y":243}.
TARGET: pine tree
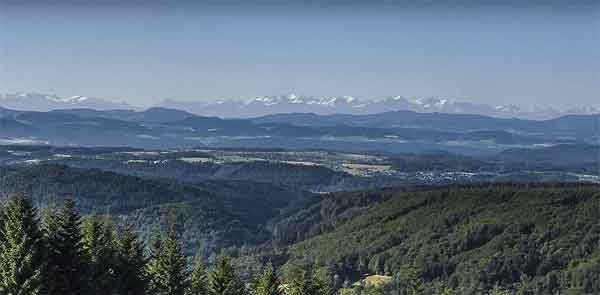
{"x":223,"y":278}
{"x":309,"y":283}
{"x":410,"y":279}
{"x":110,"y":247}
{"x":65,"y":254}
{"x":50,"y":224}
{"x":268,"y":283}
{"x":130,"y":275}
{"x":20,"y":249}
{"x":198,"y":280}
{"x":152,"y":267}
{"x":99,"y":254}
{"x":169,"y":269}
{"x":300,"y":283}
{"x":321,"y":282}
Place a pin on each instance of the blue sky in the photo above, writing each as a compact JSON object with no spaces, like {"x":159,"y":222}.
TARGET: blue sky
{"x":488,"y":53}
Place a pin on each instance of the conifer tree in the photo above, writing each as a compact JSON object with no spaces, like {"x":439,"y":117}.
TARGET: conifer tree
{"x":321,"y":282}
{"x":152,"y":267}
{"x":110,"y":242}
{"x":20,"y":249}
{"x":310,"y":283}
{"x":223,"y":278}
{"x":268,"y":283}
{"x":300,"y":283}
{"x":410,"y":280}
{"x":130,"y":276}
{"x":51,"y":222}
{"x":168,"y":271}
{"x":98,"y":249}
{"x":65,"y":265}
{"x":198,"y":280}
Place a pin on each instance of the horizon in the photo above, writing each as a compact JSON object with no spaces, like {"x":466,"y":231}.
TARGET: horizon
{"x":594,"y":108}
{"x":288,"y":147}
{"x":497,"y":54}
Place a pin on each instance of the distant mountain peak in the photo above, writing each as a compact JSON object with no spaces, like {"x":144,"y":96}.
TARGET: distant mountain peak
{"x":294,"y":103}
{"x":32,"y":101}
{"x":346,"y":104}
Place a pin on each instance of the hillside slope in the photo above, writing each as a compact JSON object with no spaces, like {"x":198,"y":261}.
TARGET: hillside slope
{"x":215,"y":214}
{"x":539,"y":238}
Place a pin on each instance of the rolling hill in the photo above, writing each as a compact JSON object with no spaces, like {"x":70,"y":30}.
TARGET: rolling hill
{"x":218,"y":213}
{"x":538,"y":239}
{"x":401,"y":131}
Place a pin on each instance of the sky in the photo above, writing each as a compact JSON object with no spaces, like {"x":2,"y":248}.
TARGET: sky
{"x":543,"y":54}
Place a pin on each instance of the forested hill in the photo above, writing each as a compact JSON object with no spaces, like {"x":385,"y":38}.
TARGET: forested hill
{"x":527,"y":239}
{"x":536,"y":239}
{"x":213,"y":214}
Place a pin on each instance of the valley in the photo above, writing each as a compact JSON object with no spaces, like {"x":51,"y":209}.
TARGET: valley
{"x":426,"y":203}
{"x":322,"y":170}
{"x":285,"y":147}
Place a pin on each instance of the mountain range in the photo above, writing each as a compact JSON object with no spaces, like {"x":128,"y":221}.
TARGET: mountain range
{"x":47,"y":102}
{"x":399,"y":131}
{"x":326,"y":105}
{"x":292,"y":103}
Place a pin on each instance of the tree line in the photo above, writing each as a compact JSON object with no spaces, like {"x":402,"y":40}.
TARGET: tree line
{"x":541,"y":240}
{"x":67,"y":254}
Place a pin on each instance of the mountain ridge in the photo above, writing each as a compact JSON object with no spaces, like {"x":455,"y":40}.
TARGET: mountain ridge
{"x":293,"y":103}
{"x":391,"y":131}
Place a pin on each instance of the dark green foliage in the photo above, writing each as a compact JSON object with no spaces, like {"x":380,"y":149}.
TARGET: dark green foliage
{"x":306,"y":282}
{"x":153,"y":266}
{"x":268,"y":283}
{"x":131,"y":264}
{"x":322,"y":282}
{"x":539,"y":238}
{"x":20,"y":249}
{"x":300,"y":284}
{"x":223,"y":280}
{"x":487,"y":239}
{"x":65,"y":274}
{"x":198,"y":279}
{"x":100,"y":255}
{"x":409,"y":281}
{"x":219,"y":214}
{"x":168,"y":271}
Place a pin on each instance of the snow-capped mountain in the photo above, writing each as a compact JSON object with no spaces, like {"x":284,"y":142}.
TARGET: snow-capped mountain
{"x":293,"y":103}
{"x":47,"y":102}
{"x":264,"y":105}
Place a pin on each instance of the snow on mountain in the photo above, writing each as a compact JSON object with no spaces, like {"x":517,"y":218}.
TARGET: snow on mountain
{"x":46,"y":102}
{"x":294,"y":103}
{"x":294,"y":99}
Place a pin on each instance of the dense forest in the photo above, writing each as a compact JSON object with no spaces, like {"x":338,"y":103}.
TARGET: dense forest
{"x":65,"y":254}
{"x":530,"y":239}
{"x":484,"y":239}
{"x":215,"y":214}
